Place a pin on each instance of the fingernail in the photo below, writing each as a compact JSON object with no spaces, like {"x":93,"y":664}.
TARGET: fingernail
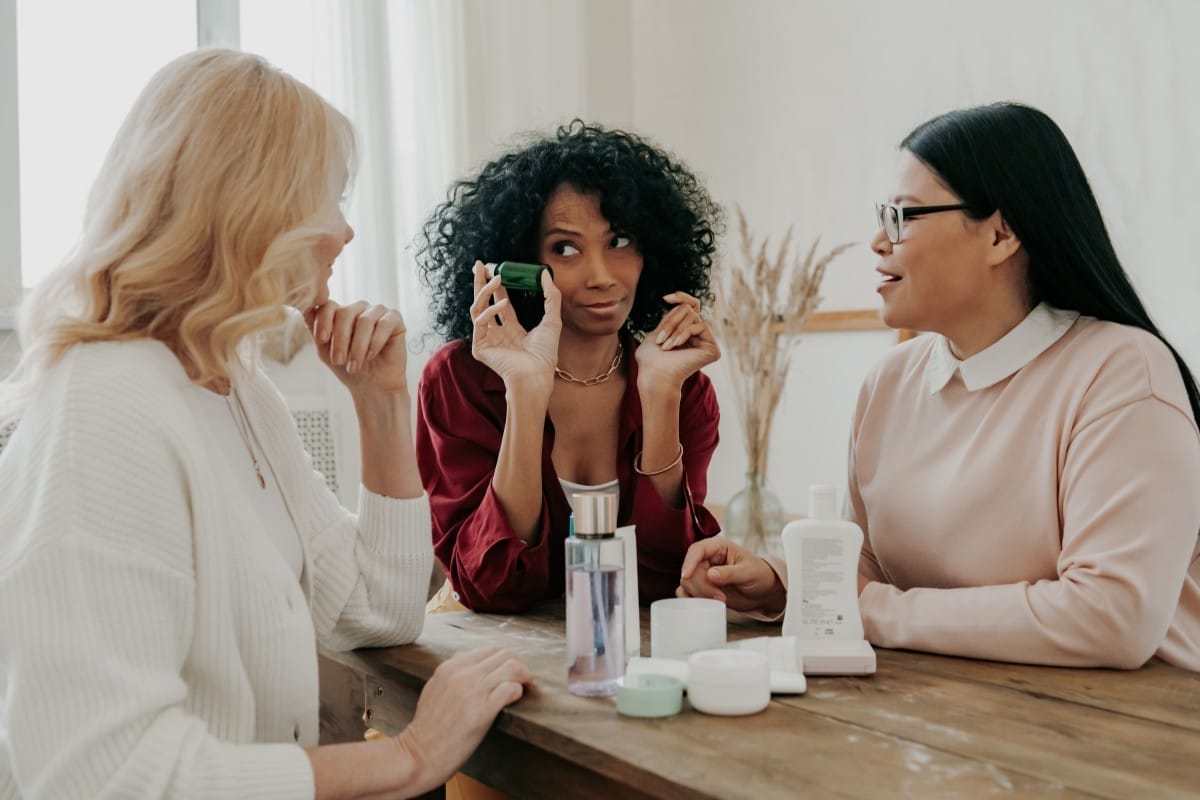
{"x":660,"y":338}
{"x":324,"y":336}
{"x":352,"y":367}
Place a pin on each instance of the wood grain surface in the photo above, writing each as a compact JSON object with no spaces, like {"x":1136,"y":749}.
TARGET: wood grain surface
{"x":922,"y":726}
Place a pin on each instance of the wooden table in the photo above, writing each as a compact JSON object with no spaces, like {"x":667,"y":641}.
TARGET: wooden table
{"x":922,"y":726}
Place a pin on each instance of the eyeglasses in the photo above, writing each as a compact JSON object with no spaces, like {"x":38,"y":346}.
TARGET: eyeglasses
{"x":892,"y":216}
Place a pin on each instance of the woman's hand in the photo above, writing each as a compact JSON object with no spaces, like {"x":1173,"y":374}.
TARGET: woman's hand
{"x":457,"y":707}
{"x":363,"y":344}
{"x":680,"y":345}
{"x":499,"y":341}
{"x":719,"y":569}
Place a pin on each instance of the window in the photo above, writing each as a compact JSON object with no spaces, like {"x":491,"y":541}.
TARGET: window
{"x":74,"y":68}
{"x":294,"y":35}
{"x":80,"y":66}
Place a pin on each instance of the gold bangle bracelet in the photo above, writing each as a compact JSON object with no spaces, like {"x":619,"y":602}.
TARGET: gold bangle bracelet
{"x":637,"y":465}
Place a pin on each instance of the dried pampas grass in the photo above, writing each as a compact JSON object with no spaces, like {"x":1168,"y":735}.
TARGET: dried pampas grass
{"x":762,"y":304}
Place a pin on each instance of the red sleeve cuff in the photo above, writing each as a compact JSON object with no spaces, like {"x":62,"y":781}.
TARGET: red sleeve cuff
{"x":492,"y":569}
{"x":664,"y":535}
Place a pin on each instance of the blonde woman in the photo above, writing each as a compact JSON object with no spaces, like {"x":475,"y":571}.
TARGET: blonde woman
{"x":168,"y":559}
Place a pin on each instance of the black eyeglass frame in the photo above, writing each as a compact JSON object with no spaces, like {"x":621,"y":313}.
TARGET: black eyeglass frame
{"x":909,"y":212}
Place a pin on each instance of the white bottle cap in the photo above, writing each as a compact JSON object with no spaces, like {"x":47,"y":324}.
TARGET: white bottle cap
{"x":822,"y":501}
{"x":595,"y":515}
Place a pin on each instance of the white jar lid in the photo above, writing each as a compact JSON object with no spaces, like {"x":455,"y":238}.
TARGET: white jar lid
{"x":728,"y":668}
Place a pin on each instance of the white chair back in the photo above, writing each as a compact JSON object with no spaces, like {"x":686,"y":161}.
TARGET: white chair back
{"x":315,"y":427}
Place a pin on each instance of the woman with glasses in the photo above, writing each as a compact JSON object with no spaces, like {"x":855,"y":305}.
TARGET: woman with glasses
{"x":169,"y":560}
{"x":1028,"y":476}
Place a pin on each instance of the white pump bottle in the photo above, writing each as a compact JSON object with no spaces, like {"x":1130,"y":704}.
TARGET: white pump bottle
{"x":822,"y":562}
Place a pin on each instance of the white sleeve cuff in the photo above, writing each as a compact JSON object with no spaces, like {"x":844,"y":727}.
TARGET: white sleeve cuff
{"x":390,"y":526}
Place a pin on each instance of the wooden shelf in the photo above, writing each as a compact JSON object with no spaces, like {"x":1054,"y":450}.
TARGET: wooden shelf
{"x":865,"y":319}
{"x":857,"y":320}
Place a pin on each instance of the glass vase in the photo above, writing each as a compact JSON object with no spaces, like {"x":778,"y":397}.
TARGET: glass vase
{"x":754,"y":518}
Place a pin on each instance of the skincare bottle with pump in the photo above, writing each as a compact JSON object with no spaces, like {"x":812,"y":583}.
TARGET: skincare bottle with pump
{"x":822,"y":563}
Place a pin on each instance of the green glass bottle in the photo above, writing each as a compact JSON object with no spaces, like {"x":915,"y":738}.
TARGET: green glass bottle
{"x":519,"y":276}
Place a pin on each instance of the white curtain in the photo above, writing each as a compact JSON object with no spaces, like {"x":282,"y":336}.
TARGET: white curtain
{"x":399,"y":68}
{"x":396,"y":68}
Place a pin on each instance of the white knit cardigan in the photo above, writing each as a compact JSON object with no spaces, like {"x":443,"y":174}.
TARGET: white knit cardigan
{"x":153,"y":642}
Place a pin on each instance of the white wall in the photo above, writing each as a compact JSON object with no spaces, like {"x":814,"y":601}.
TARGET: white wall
{"x":525,"y":69}
{"x":794,"y":109}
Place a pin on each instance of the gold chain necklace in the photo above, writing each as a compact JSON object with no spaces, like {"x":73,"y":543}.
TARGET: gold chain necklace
{"x":242,"y":421}
{"x":562,"y":374}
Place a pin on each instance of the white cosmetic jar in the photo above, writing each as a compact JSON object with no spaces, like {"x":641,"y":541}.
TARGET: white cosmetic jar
{"x":680,"y":626}
{"x":729,"y":682}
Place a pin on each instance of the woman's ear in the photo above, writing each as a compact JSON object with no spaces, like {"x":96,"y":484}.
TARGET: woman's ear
{"x":1004,"y":242}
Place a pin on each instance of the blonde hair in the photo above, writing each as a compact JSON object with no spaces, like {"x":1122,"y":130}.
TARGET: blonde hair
{"x":202,"y":224}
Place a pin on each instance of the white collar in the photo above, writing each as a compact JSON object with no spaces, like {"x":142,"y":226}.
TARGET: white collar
{"x":1043,"y":327}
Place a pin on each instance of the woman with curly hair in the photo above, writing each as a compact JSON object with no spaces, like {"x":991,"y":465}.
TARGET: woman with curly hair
{"x":594,"y":386}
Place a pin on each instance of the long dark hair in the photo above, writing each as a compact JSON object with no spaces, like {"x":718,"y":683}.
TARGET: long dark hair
{"x":645,"y":193}
{"x":1015,"y":159}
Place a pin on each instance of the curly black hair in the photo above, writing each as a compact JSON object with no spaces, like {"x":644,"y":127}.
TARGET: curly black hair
{"x":645,"y":194}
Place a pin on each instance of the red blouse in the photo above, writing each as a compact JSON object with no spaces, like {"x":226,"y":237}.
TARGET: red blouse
{"x":460,"y":421}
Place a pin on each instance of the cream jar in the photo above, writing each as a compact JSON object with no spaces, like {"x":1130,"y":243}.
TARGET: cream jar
{"x":729,"y":682}
{"x":680,"y":626}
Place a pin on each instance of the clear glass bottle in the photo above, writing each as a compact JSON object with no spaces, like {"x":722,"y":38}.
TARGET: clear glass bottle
{"x":595,"y":572}
{"x":754,"y":518}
